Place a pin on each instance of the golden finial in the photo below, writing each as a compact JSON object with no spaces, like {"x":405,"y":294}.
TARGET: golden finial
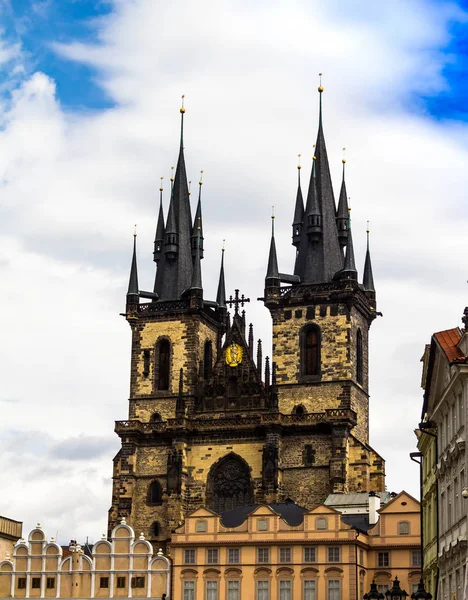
{"x":189,"y":185}
{"x":367,"y":230}
{"x":182,"y":109}
{"x":320,"y":87}
{"x":273,"y":211}
{"x":224,"y":243}
{"x":134,"y":230}
{"x":201,"y":178}
{"x":313,"y":157}
{"x":199,"y":225}
{"x":298,"y":161}
{"x":161,"y":188}
{"x":343,"y":160}
{"x":172,"y":174}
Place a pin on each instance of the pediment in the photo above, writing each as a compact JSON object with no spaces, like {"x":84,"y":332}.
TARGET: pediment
{"x":323,"y":509}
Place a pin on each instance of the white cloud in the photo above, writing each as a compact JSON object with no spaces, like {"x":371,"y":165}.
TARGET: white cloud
{"x":73,"y":184}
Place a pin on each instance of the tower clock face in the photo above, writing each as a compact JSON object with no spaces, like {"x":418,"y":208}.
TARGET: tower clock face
{"x":234,"y":355}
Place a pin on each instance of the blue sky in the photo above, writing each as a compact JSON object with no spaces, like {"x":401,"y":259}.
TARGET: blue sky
{"x":37,"y":24}
{"x":90,"y":124}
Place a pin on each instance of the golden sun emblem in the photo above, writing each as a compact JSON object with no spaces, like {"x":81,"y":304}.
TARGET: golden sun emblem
{"x":233,"y":355}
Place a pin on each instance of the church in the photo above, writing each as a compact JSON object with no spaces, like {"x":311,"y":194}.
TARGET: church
{"x":211,"y":422}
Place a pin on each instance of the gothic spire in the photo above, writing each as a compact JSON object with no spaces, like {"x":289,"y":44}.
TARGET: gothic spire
{"x":196,"y":273}
{"x":198,"y":222}
{"x":159,"y":237}
{"x":175,"y":269}
{"x":221,"y":295}
{"x":133,"y":280}
{"x":368,"y":278}
{"x":319,"y":256}
{"x":298,"y":210}
{"x":272,"y":270}
{"x":349,"y":270}
{"x":342,"y":212}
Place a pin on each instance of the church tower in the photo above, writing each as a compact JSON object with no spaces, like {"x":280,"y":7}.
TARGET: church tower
{"x":321,"y":322}
{"x":212,"y":422}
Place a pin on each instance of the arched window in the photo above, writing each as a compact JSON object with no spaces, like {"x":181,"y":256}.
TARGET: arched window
{"x":156,"y":418}
{"x":310,"y":351}
{"x":155,"y":493}
{"x":164,"y":360}
{"x":403,"y":528}
{"x":229,"y":484}
{"x":155,"y":529}
{"x":359,"y":370}
{"x":299,"y":411}
{"x":208,"y":359}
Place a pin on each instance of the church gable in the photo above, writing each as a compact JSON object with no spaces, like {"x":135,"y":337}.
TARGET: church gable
{"x":235,"y":382}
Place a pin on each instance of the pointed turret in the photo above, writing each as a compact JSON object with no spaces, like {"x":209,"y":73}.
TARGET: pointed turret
{"x":272,"y":279}
{"x":198,"y":222}
{"x":133,"y":291}
{"x":298,"y":211}
{"x":196,"y":273}
{"x":319,"y":256}
{"x":159,"y":237}
{"x":368,"y":278}
{"x":349,"y":270}
{"x":342,"y":213}
{"x":221,"y":295}
{"x":175,"y":269}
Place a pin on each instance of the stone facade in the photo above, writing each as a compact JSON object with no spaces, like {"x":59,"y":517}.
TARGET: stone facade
{"x":10,"y":533}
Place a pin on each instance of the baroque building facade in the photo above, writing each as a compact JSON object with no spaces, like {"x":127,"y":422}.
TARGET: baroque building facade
{"x":286,"y":552}
{"x":211,"y":422}
{"x":444,"y":415}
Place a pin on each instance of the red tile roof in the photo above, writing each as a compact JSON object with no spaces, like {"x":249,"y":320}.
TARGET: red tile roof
{"x":448,"y":341}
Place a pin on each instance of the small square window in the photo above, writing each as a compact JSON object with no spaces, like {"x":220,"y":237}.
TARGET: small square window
{"x":104,"y":582}
{"x":189,"y":557}
{"x":36,"y":583}
{"x":415,"y":558}
{"x":21,"y":583}
{"x":310,"y":555}
{"x":201,"y":526}
{"x":138,"y":582}
{"x":212,"y":556}
{"x":334,"y":554}
{"x":263,"y":555}
{"x":233,"y":556}
{"x":262,"y":524}
{"x":50,"y":584}
{"x":121,"y":582}
{"x":383,"y":559}
{"x":285,"y":555}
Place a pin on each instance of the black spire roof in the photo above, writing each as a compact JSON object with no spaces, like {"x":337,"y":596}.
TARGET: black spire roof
{"x":221,"y":295}
{"x":272,"y":270}
{"x":174,"y":273}
{"x":368,"y":278}
{"x":159,"y":236}
{"x":133,"y":280}
{"x":298,"y":211}
{"x":342,"y":213}
{"x":319,"y":256}
{"x":196,"y":274}
{"x":198,"y":223}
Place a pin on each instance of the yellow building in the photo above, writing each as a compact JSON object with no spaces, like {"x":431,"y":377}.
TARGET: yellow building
{"x":285,"y":552}
{"x":10,"y":533}
{"x":123,"y":567}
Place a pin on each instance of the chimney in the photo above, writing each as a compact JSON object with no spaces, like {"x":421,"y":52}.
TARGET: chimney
{"x":374,"y":505}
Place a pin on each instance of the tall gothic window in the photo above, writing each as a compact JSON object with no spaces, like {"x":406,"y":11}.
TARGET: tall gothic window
{"x":208,"y":359}
{"x":164,"y":361}
{"x":229,"y":484}
{"x":359,"y":369}
{"x":310,"y":351}
{"x":154,"y":493}
{"x":155,"y":529}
